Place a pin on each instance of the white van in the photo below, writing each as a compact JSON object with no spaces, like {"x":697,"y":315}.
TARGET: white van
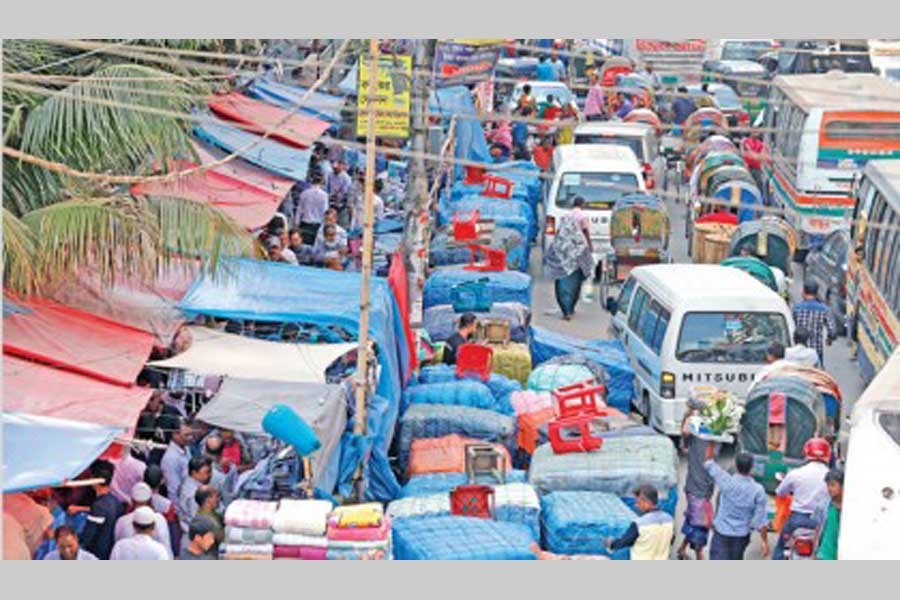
{"x":686,"y":324}
{"x":598,"y":173}
{"x":640,"y":137}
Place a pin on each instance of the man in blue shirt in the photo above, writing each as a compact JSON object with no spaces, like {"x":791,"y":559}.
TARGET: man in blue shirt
{"x":625,"y":106}
{"x":815,"y":317}
{"x":544,"y":70}
{"x":559,"y":67}
{"x":742,"y":509}
{"x":520,"y":130}
{"x":98,"y":536}
{"x":682,"y":107}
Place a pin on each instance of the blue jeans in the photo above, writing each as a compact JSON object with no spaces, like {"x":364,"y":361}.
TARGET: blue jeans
{"x":728,"y":547}
{"x":795,"y":520}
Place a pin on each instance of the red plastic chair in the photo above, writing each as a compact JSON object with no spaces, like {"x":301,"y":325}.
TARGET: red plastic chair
{"x":580,"y":436}
{"x":474,"y":176}
{"x":475,"y":359}
{"x":494,"y":259}
{"x":472,"y":501}
{"x":585,"y":397}
{"x":465,"y":227}
{"x":497,"y":187}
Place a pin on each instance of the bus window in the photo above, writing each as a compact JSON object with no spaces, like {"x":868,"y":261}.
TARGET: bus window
{"x":859,"y":130}
{"x":640,"y":300}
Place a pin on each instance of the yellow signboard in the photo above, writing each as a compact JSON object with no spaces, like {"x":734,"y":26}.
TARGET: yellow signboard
{"x":392,"y":99}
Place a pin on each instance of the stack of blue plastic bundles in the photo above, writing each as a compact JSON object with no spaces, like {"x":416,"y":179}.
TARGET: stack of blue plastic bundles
{"x":442,"y":483}
{"x":461,"y":538}
{"x":501,"y":386}
{"x":580,"y":522}
{"x":437,"y":420}
{"x":455,"y":392}
{"x":609,"y":354}
{"x":547,"y":378}
{"x":440,"y":321}
{"x":512,"y":214}
{"x":443,"y":252}
{"x":502,"y":286}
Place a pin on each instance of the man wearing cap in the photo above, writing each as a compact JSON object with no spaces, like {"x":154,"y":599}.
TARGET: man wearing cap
{"x":202,"y":539}
{"x":141,"y":546}
{"x":650,"y":535}
{"x":142,"y":495}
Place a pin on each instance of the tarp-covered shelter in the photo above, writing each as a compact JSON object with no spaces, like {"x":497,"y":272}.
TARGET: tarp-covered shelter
{"x":259,"y":117}
{"x":456,"y":101}
{"x":238,"y":168}
{"x":289,"y":97}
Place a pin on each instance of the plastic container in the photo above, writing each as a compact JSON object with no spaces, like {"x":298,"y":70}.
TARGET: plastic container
{"x":474,"y":359}
{"x":285,"y":425}
{"x":579,"y":436}
{"x":494,"y":259}
{"x":472,"y":501}
{"x":497,"y":187}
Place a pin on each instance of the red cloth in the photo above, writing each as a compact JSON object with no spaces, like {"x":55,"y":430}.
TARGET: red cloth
{"x":542,"y":157}
{"x":258,"y":117}
{"x":398,"y":280}
{"x":725,"y":218}
{"x":751,"y":152}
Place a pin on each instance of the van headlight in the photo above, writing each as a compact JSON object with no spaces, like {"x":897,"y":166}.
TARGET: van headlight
{"x":667,"y":385}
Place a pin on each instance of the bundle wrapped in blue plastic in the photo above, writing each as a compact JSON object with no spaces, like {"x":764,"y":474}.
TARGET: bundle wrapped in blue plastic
{"x":502,"y":286}
{"x":513,"y":502}
{"x":610,"y":354}
{"x":619,"y":467}
{"x":443,"y":252}
{"x":612,"y":422}
{"x":440,"y":321}
{"x":501,"y":386}
{"x":442,"y":483}
{"x":461,"y":538}
{"x":580,"y":522}
{"x":437,"y":420}
{"x":505,"y":213}
{"x":456,"y":392}
{"x":547,"y":378}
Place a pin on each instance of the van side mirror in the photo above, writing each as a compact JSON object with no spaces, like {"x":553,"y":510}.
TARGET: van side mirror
{"x":612,"y":305}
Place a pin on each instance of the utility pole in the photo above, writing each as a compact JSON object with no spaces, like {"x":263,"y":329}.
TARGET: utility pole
{"x":417,"y":226}
{"x":361,"y":379}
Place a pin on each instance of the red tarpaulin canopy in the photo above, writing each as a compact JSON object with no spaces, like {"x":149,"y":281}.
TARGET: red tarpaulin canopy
{"x":46,"y":391}
{"x":76,"y":341}
{"x":250,"y":206}
{"x":241,"y":169}
{"x":258,"y":117}
{"x":398,"y":280}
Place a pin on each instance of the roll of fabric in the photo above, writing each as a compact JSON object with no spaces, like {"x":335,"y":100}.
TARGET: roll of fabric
{"x":306,"y":517}
{"x":254,"y":514}
{"x":247,"y":535}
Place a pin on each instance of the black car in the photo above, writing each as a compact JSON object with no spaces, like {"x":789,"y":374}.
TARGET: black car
{"x":827,"y":266}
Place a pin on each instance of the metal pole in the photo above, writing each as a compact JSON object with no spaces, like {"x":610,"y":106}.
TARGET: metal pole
{"x":361,"y":380}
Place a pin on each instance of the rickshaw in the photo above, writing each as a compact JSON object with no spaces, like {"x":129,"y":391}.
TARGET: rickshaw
{"x":639,"y":232}
{"x":770,"y":239}
{"x":755,"y":268}
{"x":704,"y":121}
{"x":714,"y":143}
{"x":638,"y":88}
{"x":743,"y":194}
{"x":710,"y":163}
{"x":612,"y":68}
{"x":717,"y":175}
{"x":646,"y":116}
{"x":827,"y":386}
{"x":781,"y":414}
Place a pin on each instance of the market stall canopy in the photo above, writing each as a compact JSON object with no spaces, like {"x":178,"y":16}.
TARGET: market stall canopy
{"x":249,"y":206}
{"x":41,"y":452}
{"x":238,"y":168}
{"x":37,"y":389}
{"x":241,"y":404}
{"x":266,"y":153}
{"x":289,"y":97}
{"x":76,"y":341}
{"x":258,"y":117}
{"x":217,"y":353}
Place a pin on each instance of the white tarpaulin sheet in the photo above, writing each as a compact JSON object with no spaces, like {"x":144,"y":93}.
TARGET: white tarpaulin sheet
{"x":241,"y":404}
{"x":216,"y":353}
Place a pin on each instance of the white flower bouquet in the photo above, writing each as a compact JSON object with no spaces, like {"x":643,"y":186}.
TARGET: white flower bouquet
{"x":718,"y":414}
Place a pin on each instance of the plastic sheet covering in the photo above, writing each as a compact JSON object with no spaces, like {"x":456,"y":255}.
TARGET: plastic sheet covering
{"x":622,"y":464}
{"x":444,"y":252}
{"x":456,"y":392}
{"x":456,"y":101}
{"x":217,"y":353}
{"x":461,"y":538}
{"x":266,"y":291}
{"x":446,"y":454}
{"x":427,"y":421}
{"x":259,"y":117}
{"x":503,"y":286}
{"x":76,"y":341}
{"x":580,"y":522}
{"x":289,"y":97}
{"x":513,"y":502}
{"x":547,"y":378}
{"x":610,"y":354}
{"x":441,"y":483}
{"x":37,"y":389}
{"x":241,"y":404}
{"x":511,"y":214}
{"x":42,"y":451}
{"x":398,"y":279}
{"x":440,"y":321}
{"x":500,"y":386}
{"x":238,"y":168}
{"x":266,"y":153}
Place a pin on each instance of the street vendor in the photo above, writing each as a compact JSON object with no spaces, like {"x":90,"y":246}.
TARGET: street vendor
{"x":468,"y":323}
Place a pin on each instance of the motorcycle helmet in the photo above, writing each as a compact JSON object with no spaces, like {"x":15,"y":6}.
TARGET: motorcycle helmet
{"x":817,"y":449}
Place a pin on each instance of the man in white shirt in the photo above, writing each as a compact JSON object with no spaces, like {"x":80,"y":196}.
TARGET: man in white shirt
{"x":199,"y":473}
{"x":128,"y":472}
{"x":141,"y":546}
{"x":331,"y":218}
{"x":142,"y":495}
{"x":175,"y":460}
{"x":311,"y":207}
{"x":808,"y":491}
{"x":67,"y":547}
{"x":800,"y":353}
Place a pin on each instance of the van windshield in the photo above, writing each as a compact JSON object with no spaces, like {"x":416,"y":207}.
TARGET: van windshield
{"x":636,"y":144}
{"x":720,"y":337}
{"x":599,"y":190}
{"x":745,"y":49}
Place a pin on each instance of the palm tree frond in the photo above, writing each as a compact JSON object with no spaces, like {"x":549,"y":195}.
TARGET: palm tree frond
{"x":27,"y":187}
{"x":18,"y":255}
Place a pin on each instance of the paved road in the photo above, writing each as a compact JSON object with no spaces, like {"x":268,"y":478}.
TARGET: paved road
{"x":591,"y":321}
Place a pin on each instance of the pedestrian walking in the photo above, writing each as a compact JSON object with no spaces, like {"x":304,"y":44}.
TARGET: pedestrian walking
{"x":741,"y":511}
{"x":569,"y":259}
{"x":815,"y":317}
{"x":698,"y":490}
{"x":831,"y":516}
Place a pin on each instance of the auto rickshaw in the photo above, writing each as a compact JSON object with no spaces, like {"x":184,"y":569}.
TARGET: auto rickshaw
{"x":612,"y":68}
{"x":770,"y":239}
{"x":639,"y":232}
{"x":755,"y":268}
{"x":781,"y":414}
{"x":646,"y":116}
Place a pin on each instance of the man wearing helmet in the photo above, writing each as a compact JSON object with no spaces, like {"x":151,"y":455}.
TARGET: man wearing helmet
{"x":808,"y":489}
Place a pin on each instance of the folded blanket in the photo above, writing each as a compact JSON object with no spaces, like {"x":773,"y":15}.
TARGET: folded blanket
{"x":254,"y":514}
{"x":383,"y":553}
{"x":247,"y":535}
{"x":299,"y":552}
{"x":246,"y":557}
{"x":246,"y":548}
{"x":358,"y":515}
{"x":359,"y":534}
{"x":307,"y":517}
{"x":348,"y":545}
{"x":296,"y":539}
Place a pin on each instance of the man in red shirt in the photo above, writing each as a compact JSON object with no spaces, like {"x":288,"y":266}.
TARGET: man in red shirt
{"x":752,"y":149}
{"x":543,"y":154}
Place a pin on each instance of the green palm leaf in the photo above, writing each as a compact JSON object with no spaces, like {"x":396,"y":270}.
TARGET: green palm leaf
{"x":18,"y":255}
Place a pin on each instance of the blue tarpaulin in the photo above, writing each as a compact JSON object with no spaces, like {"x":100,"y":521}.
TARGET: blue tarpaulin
{"x":470,"y":143}
{"x":274,"y":292}
{"x":288,"y":97}
{"x":42,"y":451}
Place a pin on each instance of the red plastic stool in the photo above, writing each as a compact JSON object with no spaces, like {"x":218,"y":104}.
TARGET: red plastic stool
{"x":465,"y":226}
{"x":476,"y":359}
{"x":497,"y":187}
{"x":585,"y":397}
{"x":580,"y":425}
{"x":472,"y":501}
{"x":494,"y":259}
{"x":474,"y":176}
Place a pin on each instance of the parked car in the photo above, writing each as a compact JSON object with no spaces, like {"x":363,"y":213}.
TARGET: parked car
{"x":827,"y":266}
